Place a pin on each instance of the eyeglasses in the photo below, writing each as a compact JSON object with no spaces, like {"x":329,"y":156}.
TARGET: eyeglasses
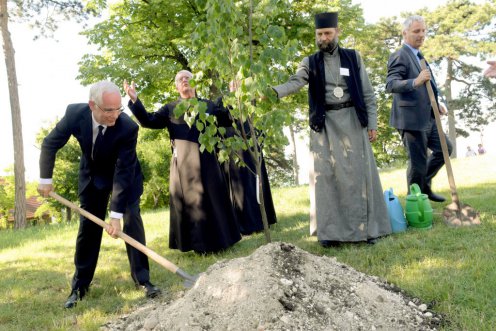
{"x":183,"y":77}
{"x":120,"y":110}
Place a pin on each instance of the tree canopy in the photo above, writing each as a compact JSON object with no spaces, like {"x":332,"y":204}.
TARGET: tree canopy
{"x":260,"y":43}
{"x":458,"y":33}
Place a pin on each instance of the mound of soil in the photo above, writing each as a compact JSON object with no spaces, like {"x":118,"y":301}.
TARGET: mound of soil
{"x":281,"y":287}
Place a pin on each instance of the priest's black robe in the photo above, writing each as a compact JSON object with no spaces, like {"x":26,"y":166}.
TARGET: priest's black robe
{"x":201,"y":215}
{"x":243,"y":185}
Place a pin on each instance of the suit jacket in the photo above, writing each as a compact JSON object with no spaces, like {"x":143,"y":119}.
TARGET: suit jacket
{"x":117,"y":169}
{"x":411,"y":106}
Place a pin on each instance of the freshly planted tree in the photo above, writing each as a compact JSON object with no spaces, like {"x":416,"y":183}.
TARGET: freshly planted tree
{"x":257,"y":43}
{"x":252,"y":49}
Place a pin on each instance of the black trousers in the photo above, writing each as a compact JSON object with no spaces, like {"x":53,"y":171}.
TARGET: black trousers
{"x":89,"y":239}
{"x":421,"y":166}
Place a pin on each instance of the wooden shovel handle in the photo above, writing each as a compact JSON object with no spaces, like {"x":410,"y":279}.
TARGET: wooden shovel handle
{"x":442,"y":138}
{"x":136,"y":244}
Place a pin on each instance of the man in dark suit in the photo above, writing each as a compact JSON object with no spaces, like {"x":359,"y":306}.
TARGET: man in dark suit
{"x":412,"y":113}
{"x":109,"y":169}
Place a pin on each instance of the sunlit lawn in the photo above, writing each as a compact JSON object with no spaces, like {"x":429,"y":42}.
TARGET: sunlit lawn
{"x":451,"y":268}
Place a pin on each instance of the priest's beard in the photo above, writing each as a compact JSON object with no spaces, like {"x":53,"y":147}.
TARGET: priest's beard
{"x":328,"y":46}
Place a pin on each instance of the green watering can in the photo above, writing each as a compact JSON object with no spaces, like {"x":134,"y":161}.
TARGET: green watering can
{"x":418,"y":210}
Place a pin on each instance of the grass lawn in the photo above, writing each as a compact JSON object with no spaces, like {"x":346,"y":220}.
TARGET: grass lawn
{"x":453,"y":269}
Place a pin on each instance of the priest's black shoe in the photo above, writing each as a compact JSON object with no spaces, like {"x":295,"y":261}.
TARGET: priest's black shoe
{"x":436,"y":197}
{"x":73,"y":298}
{"x":330,"y":243}
{"x":151,"y":291}
{"x":372,"y":241}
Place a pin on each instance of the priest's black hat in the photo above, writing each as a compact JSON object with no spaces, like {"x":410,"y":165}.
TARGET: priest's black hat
{"x":326,"y":20}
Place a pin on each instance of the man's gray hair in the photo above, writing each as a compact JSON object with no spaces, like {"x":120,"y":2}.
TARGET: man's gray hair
{"x":409,"y":21}
{"x":182,"y":72}
{"x":103,"y":86}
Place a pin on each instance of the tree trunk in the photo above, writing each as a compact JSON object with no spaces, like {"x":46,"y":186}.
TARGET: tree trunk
{"x":68,"y":214}
{"x":296,"y":168}
{"x":255,"y":153}
{"x":155,"y":200}
{"x":20,"y":182}
{"x":256,"y":156}
{"x":451,"y":113}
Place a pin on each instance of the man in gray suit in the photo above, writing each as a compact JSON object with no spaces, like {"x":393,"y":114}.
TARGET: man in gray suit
{"x":412,"y":113}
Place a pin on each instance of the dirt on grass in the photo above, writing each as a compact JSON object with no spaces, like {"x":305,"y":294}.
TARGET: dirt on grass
{"x":281,"y":287}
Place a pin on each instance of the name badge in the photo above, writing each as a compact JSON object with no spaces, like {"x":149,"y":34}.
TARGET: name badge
{"x":344,"y":71}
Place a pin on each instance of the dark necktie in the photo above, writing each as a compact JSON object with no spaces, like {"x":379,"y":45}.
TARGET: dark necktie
{"x":421,"y":57}
{"x":98,"y":142}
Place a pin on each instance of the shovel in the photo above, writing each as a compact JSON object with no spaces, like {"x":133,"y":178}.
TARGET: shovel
{"x":456,"y":213}
{"x":189,"y":280}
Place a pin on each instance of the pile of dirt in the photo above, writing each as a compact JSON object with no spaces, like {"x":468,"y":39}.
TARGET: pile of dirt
{"x":281,"y":287}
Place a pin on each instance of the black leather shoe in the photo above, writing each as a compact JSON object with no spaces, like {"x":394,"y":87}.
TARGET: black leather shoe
{"x":372,"y":241}
{"x":436,"y":197}
{"x":74,"y":297}
{"x":151,"y":291}
{"x":330,"y":243}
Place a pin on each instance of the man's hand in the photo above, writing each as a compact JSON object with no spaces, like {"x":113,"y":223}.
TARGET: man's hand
{"x":234,"y":85}
{"x":372,"y":135}
{"x":269,"y":94}
{"x":423,"y":77}
{"x":491,"y":71}
{"x":114,"y":227}
{"x":443,"y":110}
{"x":44,"y":189}
{"x":131,"y":90}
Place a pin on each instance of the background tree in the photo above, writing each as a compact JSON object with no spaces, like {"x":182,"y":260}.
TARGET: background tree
{"x":65,"y":172}
{"x":139,"y":42}
{"x":459,"y":33}
{"x":15,"y":108}
{"x":30,"y":11}
{"x":5,"y":202}
{"x":7,"y":195}
{"x":154,"y":152}
{"x":375,"y":41}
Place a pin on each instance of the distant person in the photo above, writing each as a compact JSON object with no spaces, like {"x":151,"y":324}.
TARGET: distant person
{"x":481,"y":150}
{"x":412,"y":114}
{"x":346,"y":198}
{"x":470,"y":152}
{"x":490,"y":72}
{"x":109,"y":169}
{"x":201,"y":215}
